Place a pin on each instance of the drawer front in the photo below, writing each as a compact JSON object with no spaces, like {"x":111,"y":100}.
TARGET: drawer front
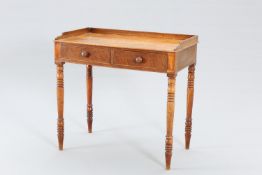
{"x":85,"y":54}
{"x":140,"y":60}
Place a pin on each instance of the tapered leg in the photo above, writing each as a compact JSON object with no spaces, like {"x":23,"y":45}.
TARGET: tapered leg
{"x":190,"y":96}
{"x":60,"y":104}
{"x":170,"y":118}
{"x":89,"y":85}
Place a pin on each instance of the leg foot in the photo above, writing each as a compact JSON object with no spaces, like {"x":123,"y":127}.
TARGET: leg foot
{"x":169,"y":143}
{"x":90,"y":119}
{"x":60,"y":131}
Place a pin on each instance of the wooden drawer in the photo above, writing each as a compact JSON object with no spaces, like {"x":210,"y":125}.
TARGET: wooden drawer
{"x":85,"y":54}
{"x":152,"y":61}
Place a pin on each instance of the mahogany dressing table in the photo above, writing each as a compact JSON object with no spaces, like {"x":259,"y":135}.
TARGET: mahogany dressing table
{"x":146,"y":51}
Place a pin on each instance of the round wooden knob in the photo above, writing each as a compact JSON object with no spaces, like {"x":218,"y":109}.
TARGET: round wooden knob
{"x":85,"y":54}
{"x":138,"y":59}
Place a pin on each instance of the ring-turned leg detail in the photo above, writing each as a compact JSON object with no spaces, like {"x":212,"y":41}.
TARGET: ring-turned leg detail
{"x":170,"y":118}
{"x":60,"y":104}
{"x":190,"y":96}
{"x":89,"y":82}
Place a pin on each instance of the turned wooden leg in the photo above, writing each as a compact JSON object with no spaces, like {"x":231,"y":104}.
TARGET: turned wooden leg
{"x":89,"y":85}
{"x":170,"y":117}
{"x":190,"y":96}
{"x":60,"y":104}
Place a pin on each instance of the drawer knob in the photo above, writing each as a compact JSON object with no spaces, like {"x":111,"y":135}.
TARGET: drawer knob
{"x":138,"y":59}
{"x":85,"y":54}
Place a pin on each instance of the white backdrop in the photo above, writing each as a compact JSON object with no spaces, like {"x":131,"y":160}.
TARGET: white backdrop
{"x":130,"y":106}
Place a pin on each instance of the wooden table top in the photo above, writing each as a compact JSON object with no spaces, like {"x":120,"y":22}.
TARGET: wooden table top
{"x":129,"y":39}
